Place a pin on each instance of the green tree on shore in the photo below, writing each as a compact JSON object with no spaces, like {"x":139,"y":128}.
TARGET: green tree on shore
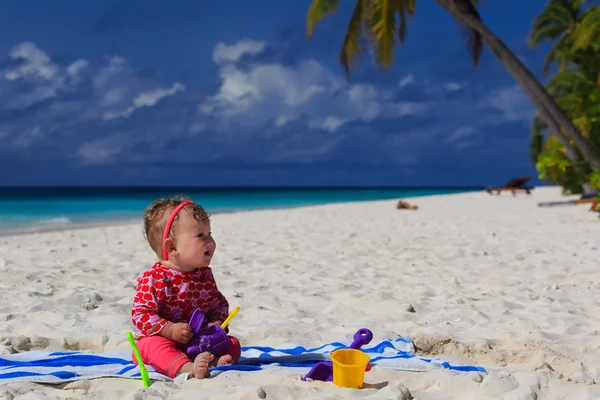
{"x":573,"y":28}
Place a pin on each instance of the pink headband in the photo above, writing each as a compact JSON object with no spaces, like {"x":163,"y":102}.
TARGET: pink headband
{"x":168,"y":227}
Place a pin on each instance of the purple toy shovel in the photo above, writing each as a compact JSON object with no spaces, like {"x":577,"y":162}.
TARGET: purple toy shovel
{"x":323,"y":371}
{"x":212,"y":338}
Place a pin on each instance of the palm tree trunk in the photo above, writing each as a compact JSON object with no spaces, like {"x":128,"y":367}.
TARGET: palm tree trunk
{"x":547,"y":107}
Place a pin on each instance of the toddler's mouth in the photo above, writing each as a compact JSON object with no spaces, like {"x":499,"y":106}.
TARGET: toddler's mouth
{"x":207,"y":253}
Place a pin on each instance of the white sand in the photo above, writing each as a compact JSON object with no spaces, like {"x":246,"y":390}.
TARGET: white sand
{"x":494,"y":280}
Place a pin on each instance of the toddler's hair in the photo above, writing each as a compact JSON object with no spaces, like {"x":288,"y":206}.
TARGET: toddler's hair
{"x":157,"y":215}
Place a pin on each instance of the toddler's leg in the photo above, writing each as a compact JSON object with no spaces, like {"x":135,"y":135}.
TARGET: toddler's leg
{"x":233,"y":354}
{"x":200,"y":368}
{"x":163,"y":355}
{"x":235,"y":349}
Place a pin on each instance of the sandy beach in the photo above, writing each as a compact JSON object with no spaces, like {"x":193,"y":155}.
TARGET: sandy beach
{"x":494,"y":281}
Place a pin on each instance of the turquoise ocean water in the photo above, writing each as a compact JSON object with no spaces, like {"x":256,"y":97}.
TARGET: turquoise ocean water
{"x":49,"y":207}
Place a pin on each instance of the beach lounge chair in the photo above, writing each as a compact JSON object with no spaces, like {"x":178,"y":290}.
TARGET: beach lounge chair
{"x":581,"y":200}
{"x":513,"y":186}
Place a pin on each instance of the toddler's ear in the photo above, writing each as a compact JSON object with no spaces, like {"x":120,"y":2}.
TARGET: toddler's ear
{"x":169,"y":245}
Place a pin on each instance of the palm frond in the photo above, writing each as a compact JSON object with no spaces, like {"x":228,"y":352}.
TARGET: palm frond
{"x":581,"y":3}
{"x":537,"y":138}
{"x":404,"y":8}
{"x":586,"y":60}
{"x":375,"y":20}
{"x":583,"y":123}
{"x":570,"y":81}
{"x":562,"y":53}
{"x":474,"y":39}
{"x":587,"y":32}
{"x":553,"y":22}
{"x":352,"y":47}
{"x":571,"y":89}
{"x":573,"y":106}
{"x":318,"y":10}
{"x":556,"y":23}
{"x":382,"y":25}
{"x":549,"y":24}
{"x":539,"y":127}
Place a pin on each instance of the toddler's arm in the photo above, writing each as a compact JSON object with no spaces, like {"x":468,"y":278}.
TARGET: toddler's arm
{"x":179,"y":332}
{"x":144,"y":313}
{"x":219,"y":306}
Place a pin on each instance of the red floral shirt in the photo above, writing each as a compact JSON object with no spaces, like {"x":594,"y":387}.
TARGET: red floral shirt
{"x":166,"y":295}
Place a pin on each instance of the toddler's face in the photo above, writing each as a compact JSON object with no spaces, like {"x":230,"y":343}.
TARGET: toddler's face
{"x":194,"y":243}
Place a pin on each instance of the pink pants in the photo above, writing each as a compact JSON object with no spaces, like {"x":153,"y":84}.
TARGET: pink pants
{"x":167,"y":356}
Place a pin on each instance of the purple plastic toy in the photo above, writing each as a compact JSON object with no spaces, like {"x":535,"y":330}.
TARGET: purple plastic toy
{"x":212,"y":338}
{"x":323,"y":371}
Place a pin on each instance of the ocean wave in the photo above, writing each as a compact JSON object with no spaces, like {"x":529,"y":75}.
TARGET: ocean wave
{"x":57,"y":221}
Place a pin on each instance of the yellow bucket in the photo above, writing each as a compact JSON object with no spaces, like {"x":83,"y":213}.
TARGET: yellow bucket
{"x":349,"y":367}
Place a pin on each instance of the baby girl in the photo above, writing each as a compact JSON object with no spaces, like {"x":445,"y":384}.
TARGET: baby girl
{"x":166,"y":296}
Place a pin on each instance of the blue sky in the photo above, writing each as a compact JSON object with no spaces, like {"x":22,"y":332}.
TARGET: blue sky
{"x":233,"y":93}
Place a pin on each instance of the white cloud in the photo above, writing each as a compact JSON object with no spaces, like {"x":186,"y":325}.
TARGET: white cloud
{"x":45,"y":79}
{"x":34,"y":62}
{"x":274,"y":93}
{"x":332,"y":123}
{"x":99,"y":151}
{"x":109,"y":148}
{"x":36,"y":95}
{"x":88,"y":108}
{"x":69,"y":96}
{"x":407,"y":108}
{"x":197,"y":128}
{"x":304,"y":152}
{"x":281,"y":120}
{"x":35,"y":66}
{"x":512,"y":102}
{"x":116,"y":66}
{"x":461,"y":133}
{"x":145,"y":99}
{"x":452,"y":86}
{"x":150,"y":98}
{"x":76,"y":66}
{"x":113,"y":96}
{"x":407,"y":80}
{"x":464,"y":145}
{"x":232,"y":53}
{"x":28,"y":136}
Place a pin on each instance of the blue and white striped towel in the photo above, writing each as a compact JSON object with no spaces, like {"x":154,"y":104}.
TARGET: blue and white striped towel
{"x":38,"y":366}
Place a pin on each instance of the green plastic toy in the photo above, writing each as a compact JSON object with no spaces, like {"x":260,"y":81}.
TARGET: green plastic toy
{"x":143,"y":370}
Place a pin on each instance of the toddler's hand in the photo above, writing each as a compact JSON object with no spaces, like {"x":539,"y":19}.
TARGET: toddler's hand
{"x":219,"y":323}
{"x":181,"y":332}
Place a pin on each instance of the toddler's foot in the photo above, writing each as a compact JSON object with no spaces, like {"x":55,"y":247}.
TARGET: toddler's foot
{"x":201,"y":362}
{"x":224,"y":360}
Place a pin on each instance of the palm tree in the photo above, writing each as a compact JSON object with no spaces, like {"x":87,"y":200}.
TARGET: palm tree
{"x":575,"y":92}
{"x":376,"y":21}
{"x":557,"y":24}
{"x":574,"y":31}
{"x":587,"y":34}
